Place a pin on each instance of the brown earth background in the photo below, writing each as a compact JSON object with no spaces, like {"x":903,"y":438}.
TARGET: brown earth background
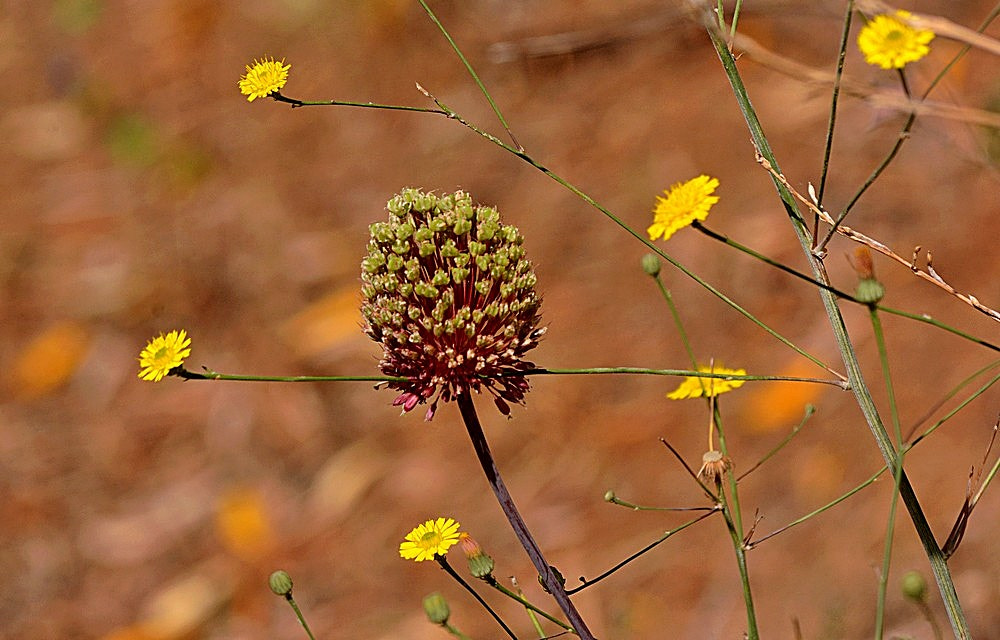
{"x":142,"y":193}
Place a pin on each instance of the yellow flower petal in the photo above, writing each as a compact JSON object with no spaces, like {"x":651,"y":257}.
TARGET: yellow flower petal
{"x":696,"y":386}
{"x":430,"y":539}
{"x":263,"y":78}
{"x":684,"y":203}
{"x":163,"y":354}
{"x":889,"y":42}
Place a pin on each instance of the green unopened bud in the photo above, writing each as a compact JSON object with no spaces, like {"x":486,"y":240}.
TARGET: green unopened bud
{"x":609,"y":495}
{"x":280,"y":583}
{"x":651,"y":264}
{"x":869,"y":291}
{"x":481,"y":566}
{"x":914,"y":586}
{"x":436,"y":608}
{"x":480,"y":563}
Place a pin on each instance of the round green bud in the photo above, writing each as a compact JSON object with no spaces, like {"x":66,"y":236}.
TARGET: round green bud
{"x":914,"y":586}
{"x":280,"y":583}
{"x":436,"y":608}
{"x":869,"y":291}
{"x":651,"y":264}
{"x":481,"y":566}
{"x":609,"y":495}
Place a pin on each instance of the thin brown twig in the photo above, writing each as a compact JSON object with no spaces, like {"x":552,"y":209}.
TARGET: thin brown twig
{"x":930,"y":274}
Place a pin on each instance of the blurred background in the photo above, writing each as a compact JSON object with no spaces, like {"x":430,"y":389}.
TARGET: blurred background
{"x":142,"y":193}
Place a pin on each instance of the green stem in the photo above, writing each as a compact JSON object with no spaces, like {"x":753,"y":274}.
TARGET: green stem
{"x":298,"y":614}
{"x":883,"y":583}
{"x":443,"y":561}
{"x":545,"y":571}
{"x":810,"y":410}
{"x":676,"y":372}
{"x":208,"y":374}
{"x":863,"y":397}
{"x":834,"y":101}
{"x":923,"y":317}
{"x":677,"y":320}
{"x":613,"y":499}
{"x":820,"y":510}
{"x":277,"y":97}
{"x":740,"y":548}
{"x":734,"y":521}
{"x":526,"y":604}
{"x":649,"y":547}
{"x":472,"y":72}
{"x":903,"y":136}
{"x":455,"y":632}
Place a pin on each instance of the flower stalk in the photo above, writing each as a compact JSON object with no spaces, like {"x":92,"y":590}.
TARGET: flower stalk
{"x":859,"y":388}
{"x":548,"y":576}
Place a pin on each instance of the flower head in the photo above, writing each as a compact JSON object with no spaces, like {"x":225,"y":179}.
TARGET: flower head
{"x":685,"y":203}
{"x":432,"y":538}
{"x":888,"y":41}
{"x":450,"y":296}
{"x":163,"y":354}
{"x":264,"y":78}
{"x":696,"y":386}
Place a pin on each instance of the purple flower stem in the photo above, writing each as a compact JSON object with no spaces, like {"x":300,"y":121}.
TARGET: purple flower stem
{"x":548,"y":576}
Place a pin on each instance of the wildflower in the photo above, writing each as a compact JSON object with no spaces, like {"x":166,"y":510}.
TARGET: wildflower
{"x":163,"y":354}
{"x":432,"y":538}
{"x":264,"y":78}
{"x":685,"y":203}
{"x":696,"y":386}
{"x":450,"y":296}
{"x":888,"y":41}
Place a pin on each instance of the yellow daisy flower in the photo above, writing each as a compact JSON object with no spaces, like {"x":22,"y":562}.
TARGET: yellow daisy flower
{"x":264,"y":78}
{"x":889,"y":42}
{"x":684,"y":203}
{"x":432,"y":538}
{"x":696,"y":387}
{"x":162,"y":354}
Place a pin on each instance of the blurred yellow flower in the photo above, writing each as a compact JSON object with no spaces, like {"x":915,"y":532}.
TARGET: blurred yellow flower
{"x":264,"y":78}
{"x":50,"y":359}
{"x":163,"y":354}
{"x":696,"y":386}
{"x":684,"y":203}
{"x":243,"y":525}
{"x":889,"y":42}
{"x":429,"y":539}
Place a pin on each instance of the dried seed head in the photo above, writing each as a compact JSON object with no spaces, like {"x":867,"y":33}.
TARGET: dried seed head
{"x":713,"y":466}
{"x":451,"y":298}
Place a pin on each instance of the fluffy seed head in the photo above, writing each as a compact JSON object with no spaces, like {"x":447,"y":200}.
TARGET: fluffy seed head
{"x":451,"y":298}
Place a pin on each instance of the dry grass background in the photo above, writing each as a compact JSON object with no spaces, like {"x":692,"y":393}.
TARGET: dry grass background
{"x":142,"y":193}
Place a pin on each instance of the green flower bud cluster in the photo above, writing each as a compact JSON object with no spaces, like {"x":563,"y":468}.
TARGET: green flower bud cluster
{"x":448,"y":293}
